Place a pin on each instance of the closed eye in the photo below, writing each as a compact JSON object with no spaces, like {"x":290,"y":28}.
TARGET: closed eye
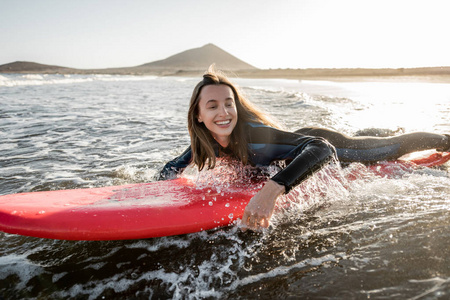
{"x":229,"y":103}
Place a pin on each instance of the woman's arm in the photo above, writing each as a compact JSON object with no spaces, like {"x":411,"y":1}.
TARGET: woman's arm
{"x":313,"y":157}
{"x":176,"y":166}
{"x":308,"y":154}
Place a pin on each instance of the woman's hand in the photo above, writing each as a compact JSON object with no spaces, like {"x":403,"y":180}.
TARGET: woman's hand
{"x":259,"y":210}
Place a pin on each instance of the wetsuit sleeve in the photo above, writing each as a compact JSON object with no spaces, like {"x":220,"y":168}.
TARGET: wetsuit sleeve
{"x":309,"y":160}
{"x":176,"y":166}
{"x":304,"y":154}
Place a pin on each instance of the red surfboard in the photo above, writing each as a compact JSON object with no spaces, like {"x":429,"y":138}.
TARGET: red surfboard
{"x":143,"y":210}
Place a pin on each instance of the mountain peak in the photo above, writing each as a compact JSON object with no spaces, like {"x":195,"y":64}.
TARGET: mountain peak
{"x":210,"y":45}
{"x":200,"y":59}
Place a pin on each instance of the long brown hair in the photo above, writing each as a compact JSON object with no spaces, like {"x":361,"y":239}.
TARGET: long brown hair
{"x":202,"y":142}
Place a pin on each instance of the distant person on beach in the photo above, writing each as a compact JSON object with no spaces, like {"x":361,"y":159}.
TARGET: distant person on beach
{"x":223,"y":123}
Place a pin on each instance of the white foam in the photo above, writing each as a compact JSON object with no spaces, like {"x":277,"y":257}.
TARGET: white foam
{"x":284,"y":270}
{"x":164,"y":242}
{"x":21,"y":266}
{"x":132,"y":174}
{"x":37,"y":79}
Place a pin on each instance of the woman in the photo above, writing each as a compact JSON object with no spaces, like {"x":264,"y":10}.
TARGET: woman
{"x":221,"y":122}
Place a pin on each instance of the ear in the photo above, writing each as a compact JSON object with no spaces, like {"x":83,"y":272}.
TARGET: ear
{"x":199,"y":119}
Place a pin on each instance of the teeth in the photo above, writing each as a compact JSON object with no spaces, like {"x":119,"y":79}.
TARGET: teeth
{"x":223,"y":122}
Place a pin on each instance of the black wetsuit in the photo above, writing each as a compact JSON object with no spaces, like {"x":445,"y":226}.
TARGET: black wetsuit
{"x":304,"y":154}
{"x":307,"y":149}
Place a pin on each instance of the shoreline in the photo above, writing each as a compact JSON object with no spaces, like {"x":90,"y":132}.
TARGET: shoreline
{"x":300,"y":75}
{"x":346,"y":77}
{"x":410,"y":79}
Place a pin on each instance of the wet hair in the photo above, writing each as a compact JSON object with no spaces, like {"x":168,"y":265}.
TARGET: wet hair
{"x":202,"y":141}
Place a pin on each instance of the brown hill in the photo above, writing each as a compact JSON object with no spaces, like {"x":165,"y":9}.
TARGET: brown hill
{"x":200,"y":59}
{"x":31,"y":67}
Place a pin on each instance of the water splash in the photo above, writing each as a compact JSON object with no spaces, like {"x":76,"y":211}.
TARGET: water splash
{"x":12,"y":80}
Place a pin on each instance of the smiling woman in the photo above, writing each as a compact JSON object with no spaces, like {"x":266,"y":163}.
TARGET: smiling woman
{"x":222,"y":122}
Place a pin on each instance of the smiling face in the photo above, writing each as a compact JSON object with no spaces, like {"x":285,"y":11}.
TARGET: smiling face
{"x":217,"y":110}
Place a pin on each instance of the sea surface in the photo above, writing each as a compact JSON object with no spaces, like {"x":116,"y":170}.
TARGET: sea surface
{"x":370,"y":238}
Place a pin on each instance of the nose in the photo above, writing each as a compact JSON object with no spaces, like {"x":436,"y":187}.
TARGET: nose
{"x":224,"y":111}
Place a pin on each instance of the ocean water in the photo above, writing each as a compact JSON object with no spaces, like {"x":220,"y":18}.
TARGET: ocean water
{"x":373,"y":237}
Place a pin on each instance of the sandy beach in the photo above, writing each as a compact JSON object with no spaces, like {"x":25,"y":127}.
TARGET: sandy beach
{"x":300,"y":75}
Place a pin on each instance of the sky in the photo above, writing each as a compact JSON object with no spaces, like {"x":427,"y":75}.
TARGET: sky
{"x":266,"y":34}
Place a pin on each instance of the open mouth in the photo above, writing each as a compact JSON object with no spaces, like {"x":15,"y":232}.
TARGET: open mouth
{"x":226,"y":122}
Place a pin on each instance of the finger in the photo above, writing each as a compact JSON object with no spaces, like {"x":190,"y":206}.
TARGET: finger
{"x":245,"y":223}
{"x":265,"y":223}
{"x":246,"y":216}
{"x":252,"y":222}
{"x":243,"y":226}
